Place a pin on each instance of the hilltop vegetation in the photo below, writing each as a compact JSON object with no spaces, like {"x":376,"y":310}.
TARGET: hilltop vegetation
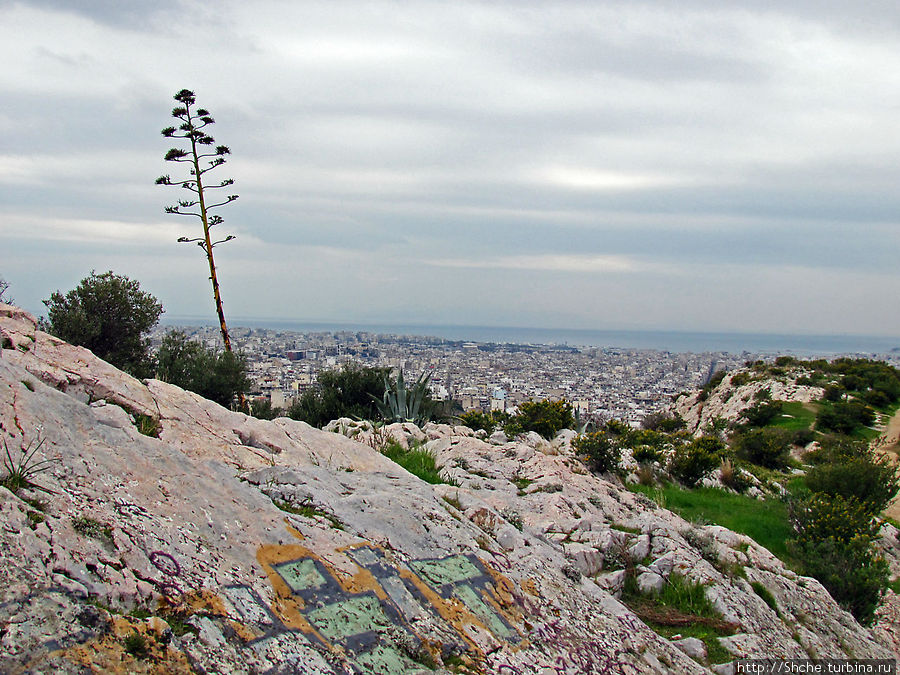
{"x":813,"y":457}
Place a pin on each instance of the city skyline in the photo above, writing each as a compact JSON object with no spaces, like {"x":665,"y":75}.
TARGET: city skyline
{"x":603,"y":166}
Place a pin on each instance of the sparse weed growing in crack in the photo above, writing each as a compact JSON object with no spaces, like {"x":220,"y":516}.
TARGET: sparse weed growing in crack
{"x":92,"y":528}
{"x":147,"y":425}
{"x":308,"y":510}
{"x":19,"y":474}
{"x":453,"y":501}
{"x":513,"y":518}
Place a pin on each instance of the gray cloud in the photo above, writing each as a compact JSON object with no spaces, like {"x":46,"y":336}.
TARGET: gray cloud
{"x":600,"y":165}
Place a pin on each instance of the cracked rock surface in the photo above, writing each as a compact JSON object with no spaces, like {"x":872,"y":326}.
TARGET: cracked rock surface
{"x":228,"y":544}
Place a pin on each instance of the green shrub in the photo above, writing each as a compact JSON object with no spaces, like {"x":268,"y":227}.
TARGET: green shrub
{"x":220,"y":376}
{"x":834,"y":543}
{"x":601,"y":451}
{"x":834,"y":393}
{"x":845,"y":417}
{"x":693,"y":461}
{"x":476,"y":419}
{"x":803,"y":437}
{"x":351,"y":391}
{"x":261,"y":408}
{"x":821,"y":517}
{"x":768,"y":447}
{"x":762,"y":413}
{"x":868,"y":480}
{"x":136,"y":645}
{"x":646,"y":454}
{"x":110,"y":315}
{"x":852,"y":571}
{"x":663,"y":421}
{"x":545,"y":417}
{"x":837,"y":448}
{"x":740,"y":379}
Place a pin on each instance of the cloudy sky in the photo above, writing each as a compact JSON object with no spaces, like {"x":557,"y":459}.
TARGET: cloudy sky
{"x":665,"y":165}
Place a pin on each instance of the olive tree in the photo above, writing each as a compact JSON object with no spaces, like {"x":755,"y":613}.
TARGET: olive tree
{"x":192,"y":129}
{"x":110,"y":315}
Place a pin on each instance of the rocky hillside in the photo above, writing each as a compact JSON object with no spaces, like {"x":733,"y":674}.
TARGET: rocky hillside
{"x":735,"y":393}
{"x":166,"y":534}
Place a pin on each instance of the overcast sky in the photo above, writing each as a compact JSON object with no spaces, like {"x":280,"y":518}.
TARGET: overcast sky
{"x":669,"y":165}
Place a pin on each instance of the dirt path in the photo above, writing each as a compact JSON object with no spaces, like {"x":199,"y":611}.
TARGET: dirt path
{"x":889,"y":444}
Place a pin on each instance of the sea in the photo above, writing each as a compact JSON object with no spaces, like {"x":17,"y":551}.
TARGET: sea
{"x":801,"y":345}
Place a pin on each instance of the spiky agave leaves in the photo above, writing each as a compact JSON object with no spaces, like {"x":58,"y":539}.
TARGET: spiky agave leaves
{"x":401,"y":403}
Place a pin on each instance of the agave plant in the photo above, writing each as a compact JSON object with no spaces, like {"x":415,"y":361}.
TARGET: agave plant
{"x":583,"y":425}
{"x":401,"y":403}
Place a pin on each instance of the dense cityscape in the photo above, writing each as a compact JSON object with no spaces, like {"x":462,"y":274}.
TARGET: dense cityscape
{"x":608,"y":382}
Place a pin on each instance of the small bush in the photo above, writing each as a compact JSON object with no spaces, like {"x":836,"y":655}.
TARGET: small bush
{"x":852,"y":571}
{"x":762,"y":413}
{"x":803,"y":437}
{"x":645,"y":454}
{"x":546,"y":417}
{"x":845,"y":417}
{"x":695,"y":460}
{"x":136,"y":645}
{"x":834,"y":393}
{"x":740,"y":379}
{"x":871,"y":482}
{"x":220,"y":376}
{"x":822,"y":517}
{"x":837,"y":448}
{"x":110,"y":315}
{"x":663,"y":421}
{"x":476,"y":419}
{"x":768,"y":447}
{"x":351,"y":391}
{"x":602,"y":453}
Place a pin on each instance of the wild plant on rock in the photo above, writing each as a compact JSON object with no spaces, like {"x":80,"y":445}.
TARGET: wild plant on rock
{"x":19,"y":474}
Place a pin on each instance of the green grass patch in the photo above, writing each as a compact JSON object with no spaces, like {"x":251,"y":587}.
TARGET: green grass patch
{"x":765,"y":521}
{"x":715,"y":652}
{"x":682,"y":608}
{"x":796,"y":415}
{"x":147,"y":425}
{"x":418,"y":461}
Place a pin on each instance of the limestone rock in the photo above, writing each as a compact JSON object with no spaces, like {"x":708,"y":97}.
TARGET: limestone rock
{"x":692,"y":647}
{"x":273,"y":547}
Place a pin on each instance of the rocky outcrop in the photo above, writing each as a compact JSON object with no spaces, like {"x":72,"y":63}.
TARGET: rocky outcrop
{"x":732,"y":397}
{"x":225,"y":544}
